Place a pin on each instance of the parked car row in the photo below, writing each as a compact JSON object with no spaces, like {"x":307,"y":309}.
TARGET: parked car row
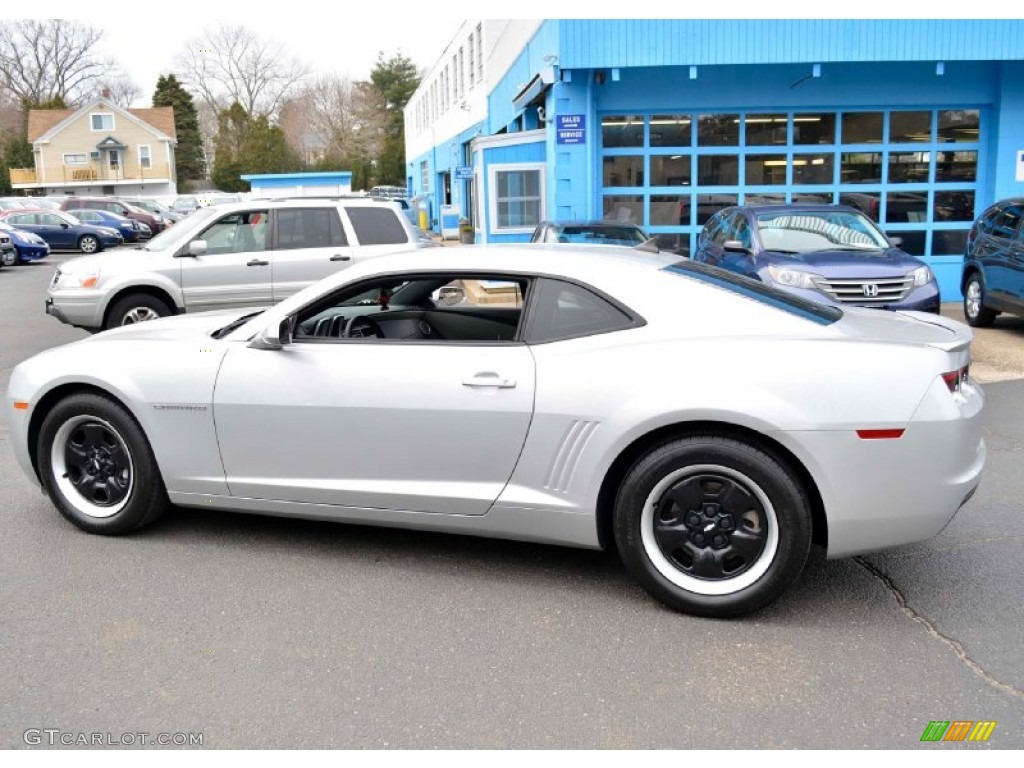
{"x":62,"y":231}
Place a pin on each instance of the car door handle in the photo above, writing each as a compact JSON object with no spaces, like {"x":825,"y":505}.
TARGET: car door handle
{"x":488,"y":379}
{"x":257,"y":263}
{"x":340,"y":257}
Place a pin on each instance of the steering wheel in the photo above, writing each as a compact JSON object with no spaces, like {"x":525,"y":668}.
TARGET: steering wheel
{"x":362,"y":327}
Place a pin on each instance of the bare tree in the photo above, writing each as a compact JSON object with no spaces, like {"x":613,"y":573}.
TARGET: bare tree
{"x":232,"y":63}
{"x":335,"y":117}
{"x":43,"y":60}
{"x":119,"y":88}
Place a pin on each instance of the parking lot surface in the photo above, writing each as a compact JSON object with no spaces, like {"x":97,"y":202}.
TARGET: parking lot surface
{"x":261,"y":632}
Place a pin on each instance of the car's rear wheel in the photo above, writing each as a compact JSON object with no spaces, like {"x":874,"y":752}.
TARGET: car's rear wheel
{"x":97,"y":466}
{"x":977,"y":314}
{"x":136,"y":308}
{"x":88,"y":244}
{"x":713,"y":525}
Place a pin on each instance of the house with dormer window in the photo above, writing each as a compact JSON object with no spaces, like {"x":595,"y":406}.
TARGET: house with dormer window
{"x":100,"y":149}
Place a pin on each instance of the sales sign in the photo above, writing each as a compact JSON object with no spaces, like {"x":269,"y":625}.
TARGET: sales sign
{"x":572,"y":129}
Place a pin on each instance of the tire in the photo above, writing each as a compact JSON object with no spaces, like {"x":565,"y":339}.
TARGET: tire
{"x":9,"y":258}
{"x":88,"y":244}
{"x":136,"y":308}
{"x":97,"y":466}
{"x":713,"y":526}
{"x":977,"y":314}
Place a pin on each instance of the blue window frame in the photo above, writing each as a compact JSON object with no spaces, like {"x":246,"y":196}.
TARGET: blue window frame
{"x":916,"y":171}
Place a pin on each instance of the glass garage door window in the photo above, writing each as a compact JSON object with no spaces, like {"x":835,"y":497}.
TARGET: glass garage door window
{"x":915,"y":171}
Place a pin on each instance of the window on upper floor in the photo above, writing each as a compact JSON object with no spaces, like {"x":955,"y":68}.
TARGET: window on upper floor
{"x":102,"y":121}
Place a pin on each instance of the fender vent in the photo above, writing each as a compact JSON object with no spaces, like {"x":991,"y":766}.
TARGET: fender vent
{"x":563,"y":466}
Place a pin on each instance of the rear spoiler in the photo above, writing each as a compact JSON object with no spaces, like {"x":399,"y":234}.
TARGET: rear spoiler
{"x":962,"y":335}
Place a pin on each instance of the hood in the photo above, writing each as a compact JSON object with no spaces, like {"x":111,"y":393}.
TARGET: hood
{"x":113,"y":261}
{"x":891,"y":262}
{"x":177,"y":328}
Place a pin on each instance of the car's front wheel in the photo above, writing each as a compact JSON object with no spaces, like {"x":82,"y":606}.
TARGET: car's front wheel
{"x":977,"y":314}
{"x":136,"y":308}
{"x":9,"y":258}
{"x":712,"y":525}
{"x":97,"y":466}
{"x":88,"y":244}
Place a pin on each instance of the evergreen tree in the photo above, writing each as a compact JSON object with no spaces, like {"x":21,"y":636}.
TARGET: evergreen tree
{"x":394,"y":80}
{"x":248,"y":145}
{"x":188,"y":155}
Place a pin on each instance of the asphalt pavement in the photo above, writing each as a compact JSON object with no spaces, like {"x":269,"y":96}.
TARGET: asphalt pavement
{"x":260,"y":632}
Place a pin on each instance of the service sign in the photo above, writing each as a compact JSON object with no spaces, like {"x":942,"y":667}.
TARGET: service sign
{"x":572,"y":129}
{"x":464,"y":173}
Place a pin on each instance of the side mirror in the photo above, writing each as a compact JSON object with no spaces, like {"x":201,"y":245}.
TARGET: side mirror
{"x":196,"y":248}
{"x":735,"y":246}
{"x":64,"y":225}
{"x":895,"y":242}
{"x":275,"y":337}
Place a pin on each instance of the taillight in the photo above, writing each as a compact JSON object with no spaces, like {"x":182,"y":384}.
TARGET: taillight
{"x":955,"y":379}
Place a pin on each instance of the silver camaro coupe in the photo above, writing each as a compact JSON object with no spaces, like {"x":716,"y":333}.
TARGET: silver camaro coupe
{"x":709,"y":427}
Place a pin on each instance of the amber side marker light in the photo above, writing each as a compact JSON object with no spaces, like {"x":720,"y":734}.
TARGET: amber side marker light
{"x":880,"y":434}
{"x":20,"y":405}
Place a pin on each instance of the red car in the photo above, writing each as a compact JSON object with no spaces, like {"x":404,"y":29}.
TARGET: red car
{"x":120,"y":207}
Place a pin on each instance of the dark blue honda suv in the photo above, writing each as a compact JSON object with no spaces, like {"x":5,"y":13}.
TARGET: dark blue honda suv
{"x":992,"y":280}
{"x":831,"y":254}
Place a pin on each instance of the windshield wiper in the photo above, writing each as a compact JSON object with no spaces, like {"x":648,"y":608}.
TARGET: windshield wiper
{"x":782,"y":250}
{"x":220,"y":333}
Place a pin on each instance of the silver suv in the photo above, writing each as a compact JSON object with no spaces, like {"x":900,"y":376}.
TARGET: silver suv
{"x":246,"y":254}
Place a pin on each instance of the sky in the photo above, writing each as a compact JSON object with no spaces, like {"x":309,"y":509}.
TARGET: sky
{"x":344,"y":38}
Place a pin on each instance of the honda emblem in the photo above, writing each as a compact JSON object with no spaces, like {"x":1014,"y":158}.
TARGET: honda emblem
{"x":870,"y":290}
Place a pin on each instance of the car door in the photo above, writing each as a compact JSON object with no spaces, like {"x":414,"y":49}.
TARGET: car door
{"x":738,"y":230}
{"x":709,"y":242}
{"x":309,"y":244}
{"x":421,"y":424}
{"x":58,"y":232}
{"x":235,"y":270}
{"x":29,"y":222}
{"x":1015,"y":261}
{"x":991,"y":249}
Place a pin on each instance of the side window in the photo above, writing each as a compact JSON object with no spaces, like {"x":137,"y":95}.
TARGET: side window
{"x":740,"y":229}
{"x":711,"y":228}
{"x":417,"y":308}
{"x":240,"y":232}
{"x":50,"y":219}
{"x":308,"y":228}
{"x":1008,"y":222}
{"x":376,"y":226}
{"x":563,"y":310}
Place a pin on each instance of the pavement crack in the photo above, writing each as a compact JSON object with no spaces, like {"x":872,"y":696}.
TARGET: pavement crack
{"x":953,"y":644}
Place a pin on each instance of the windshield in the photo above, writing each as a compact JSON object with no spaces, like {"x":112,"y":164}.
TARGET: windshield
{"x":171,"y":237}
{"x":806,"y":231}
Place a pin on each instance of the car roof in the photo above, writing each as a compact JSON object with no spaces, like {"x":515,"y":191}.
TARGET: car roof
{"x":796,"y":208}
{"x":592,"y":224}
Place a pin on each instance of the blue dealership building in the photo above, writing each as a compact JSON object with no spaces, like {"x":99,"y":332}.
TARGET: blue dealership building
{"x":919,"y":123}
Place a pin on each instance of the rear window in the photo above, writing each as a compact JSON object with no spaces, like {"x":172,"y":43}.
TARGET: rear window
{"x":308,"y":228}
{"x":822,"y":314}
{"x":377,"y":226}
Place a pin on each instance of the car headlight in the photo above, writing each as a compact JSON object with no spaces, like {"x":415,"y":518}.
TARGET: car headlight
{"x":922,"y":276}
{"x":87,"y":279}
{"x":792,"y":278}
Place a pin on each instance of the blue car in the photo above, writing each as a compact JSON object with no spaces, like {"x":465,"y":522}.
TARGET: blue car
{"x":27,"y":246}
{"x":992,"y":280}
{"x":63,"y":231}
{"x":831,"y":254}
{"x":132,"y":231}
